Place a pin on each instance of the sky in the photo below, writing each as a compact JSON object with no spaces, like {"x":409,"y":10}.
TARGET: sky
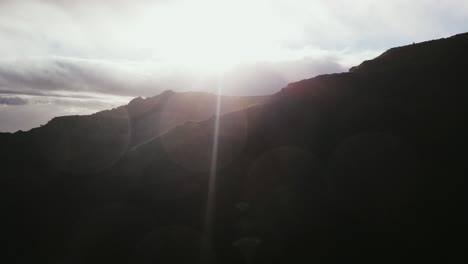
{"x":62,"y":57}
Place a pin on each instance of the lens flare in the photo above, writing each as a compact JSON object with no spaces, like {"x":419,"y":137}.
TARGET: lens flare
{"x":211,"y":196}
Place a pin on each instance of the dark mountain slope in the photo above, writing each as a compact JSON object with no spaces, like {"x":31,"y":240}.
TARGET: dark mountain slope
{"x":429,"y":55}
{"x":91,"y":143}
{"x":366,"y":165}
{"x":44,"y":169}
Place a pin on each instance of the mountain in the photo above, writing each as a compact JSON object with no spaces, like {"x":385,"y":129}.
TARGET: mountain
{"x":363,"y":166}
{"x":91,"y":143}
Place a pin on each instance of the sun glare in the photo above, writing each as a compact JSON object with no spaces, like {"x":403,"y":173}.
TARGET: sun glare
{"x":211,"y":36}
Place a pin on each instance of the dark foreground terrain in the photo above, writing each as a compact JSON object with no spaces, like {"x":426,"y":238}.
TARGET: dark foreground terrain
{"x":367,"y":165}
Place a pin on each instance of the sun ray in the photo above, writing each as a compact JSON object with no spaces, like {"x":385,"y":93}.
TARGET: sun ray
{"x":211,"y":195}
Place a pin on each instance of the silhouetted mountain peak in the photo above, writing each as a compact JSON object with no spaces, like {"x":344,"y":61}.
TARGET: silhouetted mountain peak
{"x":136,"y":100}
{"x":431,"y":54}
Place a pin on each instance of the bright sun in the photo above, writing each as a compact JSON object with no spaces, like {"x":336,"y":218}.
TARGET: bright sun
{"x":215,"y":35}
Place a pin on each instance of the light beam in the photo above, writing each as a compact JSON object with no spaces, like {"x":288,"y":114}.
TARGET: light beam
{"x":211,"y":196}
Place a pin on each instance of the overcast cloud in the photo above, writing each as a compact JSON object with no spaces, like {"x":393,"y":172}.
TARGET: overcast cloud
{"x":12,"y":101}
{"x":97,"y":54}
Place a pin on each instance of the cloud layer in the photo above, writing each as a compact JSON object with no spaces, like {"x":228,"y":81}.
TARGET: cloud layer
{"x":81,"y":77}
{"x":170,"y":31}
{"x":12,"y":101}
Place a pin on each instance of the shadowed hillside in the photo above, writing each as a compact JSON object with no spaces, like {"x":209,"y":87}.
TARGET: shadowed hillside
{"x":363,"y":166}
{"x":92,"y":143}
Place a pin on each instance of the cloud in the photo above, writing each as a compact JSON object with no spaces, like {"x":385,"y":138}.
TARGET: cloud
{"x":379,"y":24}
{"x":46,"y":76}
{"x":172,"y":30}
{"x":12,"y":101}
{"x":40,"y":109}
{"x":58,"y":76}
{"x":269,"y":77}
